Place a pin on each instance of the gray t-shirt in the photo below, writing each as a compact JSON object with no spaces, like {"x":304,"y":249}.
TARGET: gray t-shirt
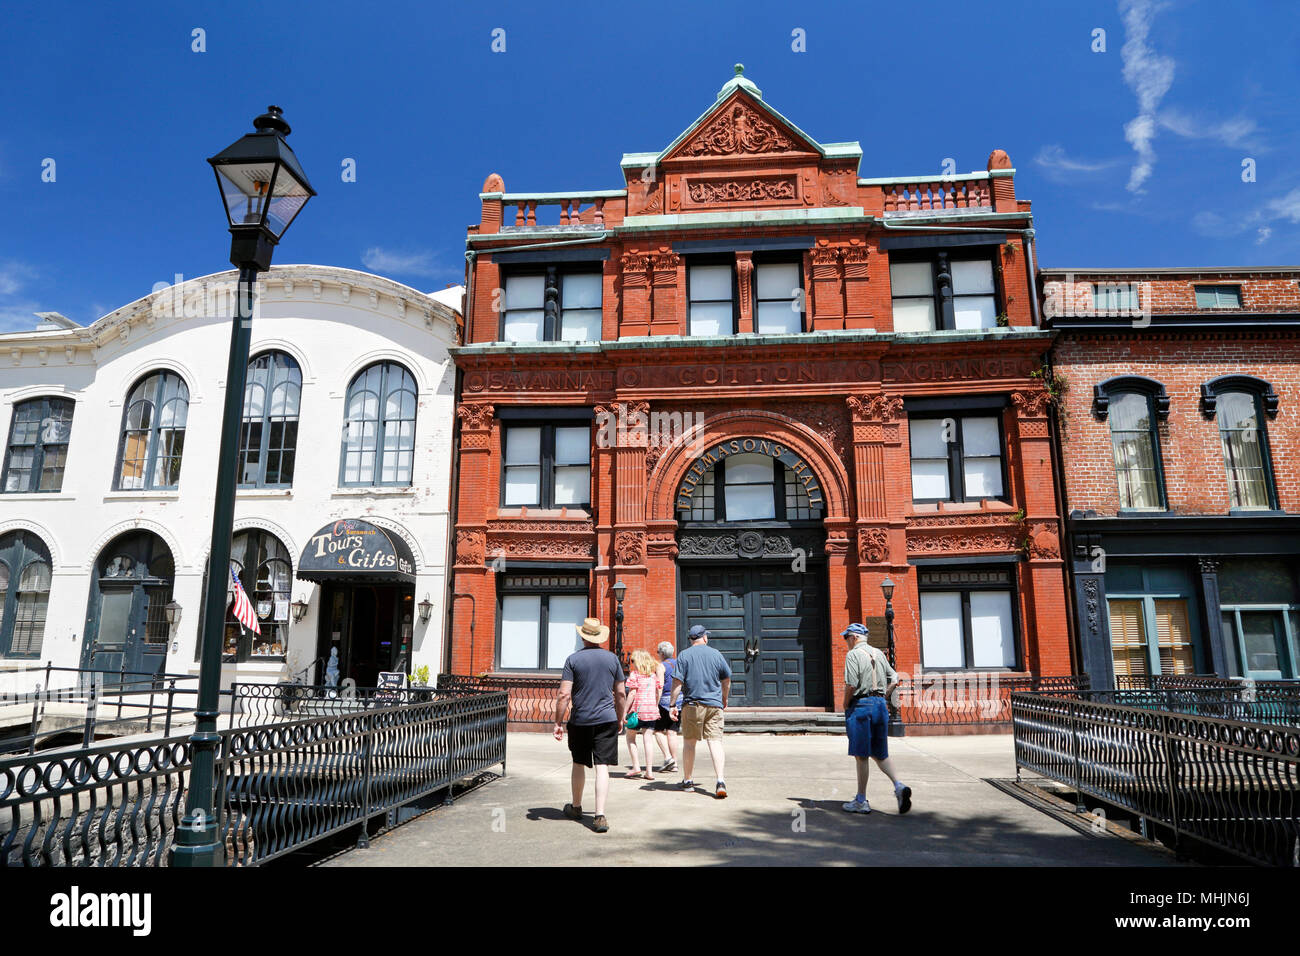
{"x":594,"y":672}
{"x":701,"y":669}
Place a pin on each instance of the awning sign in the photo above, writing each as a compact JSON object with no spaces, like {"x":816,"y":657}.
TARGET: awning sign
{"x":355,"y":550}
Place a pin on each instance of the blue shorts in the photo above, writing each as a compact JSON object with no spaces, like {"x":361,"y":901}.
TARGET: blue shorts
{"x":868,"y":728}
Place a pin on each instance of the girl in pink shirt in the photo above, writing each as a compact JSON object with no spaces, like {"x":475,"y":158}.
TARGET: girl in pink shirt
{"x":645,"y":683}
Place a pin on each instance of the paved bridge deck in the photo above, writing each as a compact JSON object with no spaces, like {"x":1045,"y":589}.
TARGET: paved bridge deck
{"x":783,"y":808}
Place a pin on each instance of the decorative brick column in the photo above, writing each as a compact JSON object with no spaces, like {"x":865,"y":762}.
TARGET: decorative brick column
{"x":667,"y":315}
{"x":636,"y":294}
{"x":472,"y":653}
{"x":745,"y":286}
{"x":828,"y":293}
{"x":857,"y":294}
{"x":1045,"y":626}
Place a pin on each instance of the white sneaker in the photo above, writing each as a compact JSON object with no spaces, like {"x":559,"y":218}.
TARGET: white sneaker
{"x":857,"y":806}
{"x":904,"y":796}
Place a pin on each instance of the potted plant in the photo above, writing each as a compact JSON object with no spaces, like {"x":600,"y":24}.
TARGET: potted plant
{"x":420,"y":676}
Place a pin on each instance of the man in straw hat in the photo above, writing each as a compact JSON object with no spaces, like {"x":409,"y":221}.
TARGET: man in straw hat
{"x":593,"y":682}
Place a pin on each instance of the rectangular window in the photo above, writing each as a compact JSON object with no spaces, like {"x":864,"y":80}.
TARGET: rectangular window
{"x":778,"y":298}
{"x":1133,"y":440}
{"x":537,"y":625}
{"x":577,"y":315}
{"x":956,"y":459}
{"x":919,"y":305}
{"x":1135,"y":622}
{"x":1218,"y":296}
{"x":710,"y":290}
{"x":1112,"y":297}
{"x":546,"y":466}
{"x":968,"y":619}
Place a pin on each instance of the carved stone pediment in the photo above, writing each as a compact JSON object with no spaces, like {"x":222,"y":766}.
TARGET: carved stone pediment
{"x":749,"y":543}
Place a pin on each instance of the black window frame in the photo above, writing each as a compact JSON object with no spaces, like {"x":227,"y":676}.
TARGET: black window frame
{"x":1012,"y":586}
{"x":546,"y":463}
{"x":266,"y":420}
{"x":941,"y":262}
{"x":714,"y":260}
{"x":552,"y":297}
{"x":249,"y":574}
{"x":1157,"y":411}
{"x":956,"y":453}
{"x":1216,"y":288}
{"x":155,"y":429}
{"x":38,"y":447}
{"x":779,"y":259}
{"x":382,"y":422}
{"x":1266,"y":406}
{"x":19,"y":550}
{"x":581,"y":584}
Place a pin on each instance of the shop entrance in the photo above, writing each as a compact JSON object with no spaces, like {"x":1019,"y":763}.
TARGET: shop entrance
{"x":370,"y":625}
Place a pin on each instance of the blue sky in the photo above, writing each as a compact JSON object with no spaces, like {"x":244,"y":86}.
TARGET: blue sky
{"x":1132,"y":156}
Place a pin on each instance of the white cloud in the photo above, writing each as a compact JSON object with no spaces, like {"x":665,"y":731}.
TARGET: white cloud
{"x":1264,"y":233}
{"x":14,"y":275}
{"x":1238,"y":132}
{"x":1053,"y":158}
{"x":1149,"y":75}
{"x":393,"y":262}
{"x":1284,"y":207}
{"x":16,"y":314}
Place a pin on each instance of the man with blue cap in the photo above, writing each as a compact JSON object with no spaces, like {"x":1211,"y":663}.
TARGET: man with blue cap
{"x":702,"y":681}
{"x":868,"y":681}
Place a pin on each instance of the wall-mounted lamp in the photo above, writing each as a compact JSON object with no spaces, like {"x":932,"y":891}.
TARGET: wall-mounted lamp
{"x":299,"y":608}
{"x":173,"y":613}
{"x":426,"y":610}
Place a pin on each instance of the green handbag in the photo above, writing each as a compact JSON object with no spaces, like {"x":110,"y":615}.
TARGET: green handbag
{"x":633,"y":721}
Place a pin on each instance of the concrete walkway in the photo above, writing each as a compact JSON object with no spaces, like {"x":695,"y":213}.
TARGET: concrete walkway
{"x":783,"y":809}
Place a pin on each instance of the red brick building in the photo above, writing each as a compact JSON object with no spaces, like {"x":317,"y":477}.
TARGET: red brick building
{"x":1179,"y":433}
{"x":751,"y":384}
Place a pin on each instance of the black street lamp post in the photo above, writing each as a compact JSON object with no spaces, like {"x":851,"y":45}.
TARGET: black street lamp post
{"x":619,"y":589}
{"x":263,"y":189}
{"x":887,"y":589}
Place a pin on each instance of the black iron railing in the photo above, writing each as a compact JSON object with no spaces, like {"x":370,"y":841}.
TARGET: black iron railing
{"x":253,"y":704}
{"x":1274,"y":703}
{"x":944,"y":699}
{"x":72,"y":701}
{"x":1231,"y":783}
{"x":280,"y":786}
{"x":532,"y":699}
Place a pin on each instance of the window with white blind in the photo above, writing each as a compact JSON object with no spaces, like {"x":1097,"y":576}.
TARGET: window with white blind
{"x":956,"y":458}
{"x":575,"y":317}
{"x":916,"y":287}
{"x":710,"y":291}
{"x":546,"y":466}
{"x":778,"y":298}
{"x":1218,"y":296}
{"x":1245,"y":441}
{"x":968,"y":619}
{"x":1135,"y":442}
{"x":1109,"y":298}
{"x":538,"y":620}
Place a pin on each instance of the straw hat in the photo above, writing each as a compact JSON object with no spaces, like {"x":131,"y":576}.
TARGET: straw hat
{"x":592,"y":631}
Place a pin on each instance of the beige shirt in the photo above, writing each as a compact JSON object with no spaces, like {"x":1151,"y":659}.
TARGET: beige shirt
{"x":867,"y":670}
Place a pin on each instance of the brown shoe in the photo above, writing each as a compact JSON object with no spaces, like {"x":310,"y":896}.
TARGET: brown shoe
{"x":572,"y":812}
{"x":600,"y":824}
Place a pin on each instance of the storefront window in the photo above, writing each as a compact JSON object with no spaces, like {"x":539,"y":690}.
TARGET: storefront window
{"x":967,"y":619}
{"x":266,"y":575}
{"x":1260,"y":600}
{"x":538,"y":620}
{"x":1151,"y":620}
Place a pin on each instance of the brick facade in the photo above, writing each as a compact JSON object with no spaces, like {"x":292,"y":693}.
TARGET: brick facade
{"x":835,"y":396}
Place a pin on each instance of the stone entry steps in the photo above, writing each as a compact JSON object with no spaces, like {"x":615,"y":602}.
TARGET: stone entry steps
{"x":763,"y":720}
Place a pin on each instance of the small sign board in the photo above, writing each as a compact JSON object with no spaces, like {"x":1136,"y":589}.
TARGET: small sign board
{"x":390,"y":687}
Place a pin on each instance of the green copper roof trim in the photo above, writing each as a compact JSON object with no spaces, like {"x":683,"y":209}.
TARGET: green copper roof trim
{"x":751,"y":340}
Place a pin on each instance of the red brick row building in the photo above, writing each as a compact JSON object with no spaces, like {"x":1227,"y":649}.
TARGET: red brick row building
{"x":752,"y":383}
{"x":1180,"y":428}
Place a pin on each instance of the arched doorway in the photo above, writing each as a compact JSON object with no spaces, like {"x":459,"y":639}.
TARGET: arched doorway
{"x":126,"y":621}
{"x":751,"y":568}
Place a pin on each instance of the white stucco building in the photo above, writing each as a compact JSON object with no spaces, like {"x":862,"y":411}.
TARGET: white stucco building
{"x":109,"y":473}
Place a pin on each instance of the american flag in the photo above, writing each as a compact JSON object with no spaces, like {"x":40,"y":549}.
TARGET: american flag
{"x":243,"y":607}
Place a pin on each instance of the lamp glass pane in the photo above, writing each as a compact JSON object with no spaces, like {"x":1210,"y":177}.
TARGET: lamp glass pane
{"x":244,"y":190}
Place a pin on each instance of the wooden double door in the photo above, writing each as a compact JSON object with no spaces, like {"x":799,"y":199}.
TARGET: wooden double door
{"x":770,"y":624}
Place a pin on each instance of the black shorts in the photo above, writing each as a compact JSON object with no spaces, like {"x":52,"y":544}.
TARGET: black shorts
{"x":594,"y":743}
{"x":667,"y":723}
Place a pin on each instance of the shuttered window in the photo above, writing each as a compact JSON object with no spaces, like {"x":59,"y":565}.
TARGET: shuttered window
{"x":1174,"y":637}
{"x":1128,"y":638}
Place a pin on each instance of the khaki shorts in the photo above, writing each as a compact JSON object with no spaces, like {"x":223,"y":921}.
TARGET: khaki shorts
{"x":701,"y":723}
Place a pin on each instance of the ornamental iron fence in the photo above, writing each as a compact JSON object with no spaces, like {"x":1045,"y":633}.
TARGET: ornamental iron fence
{"x":279,"y":786}
{"x":532,"y":699}
{"x":253,"y":704}
{"x":1230,"y":783}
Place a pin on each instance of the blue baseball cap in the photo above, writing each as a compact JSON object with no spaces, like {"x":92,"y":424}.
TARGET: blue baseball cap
{"x":855,"y":630}
{"x":698,"y":631}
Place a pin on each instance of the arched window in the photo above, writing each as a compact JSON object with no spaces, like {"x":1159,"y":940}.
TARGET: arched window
{"x":750,"y":487}
{"x":379,"y":430}
{"x":153,"y":433}
{"x":38,"y":445}
{"x":268,"y":438}
{"x":266,"y":575}
{"x":1239,"y":403}
{"x":24,"y":594}
{"x":1134,"y":405}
